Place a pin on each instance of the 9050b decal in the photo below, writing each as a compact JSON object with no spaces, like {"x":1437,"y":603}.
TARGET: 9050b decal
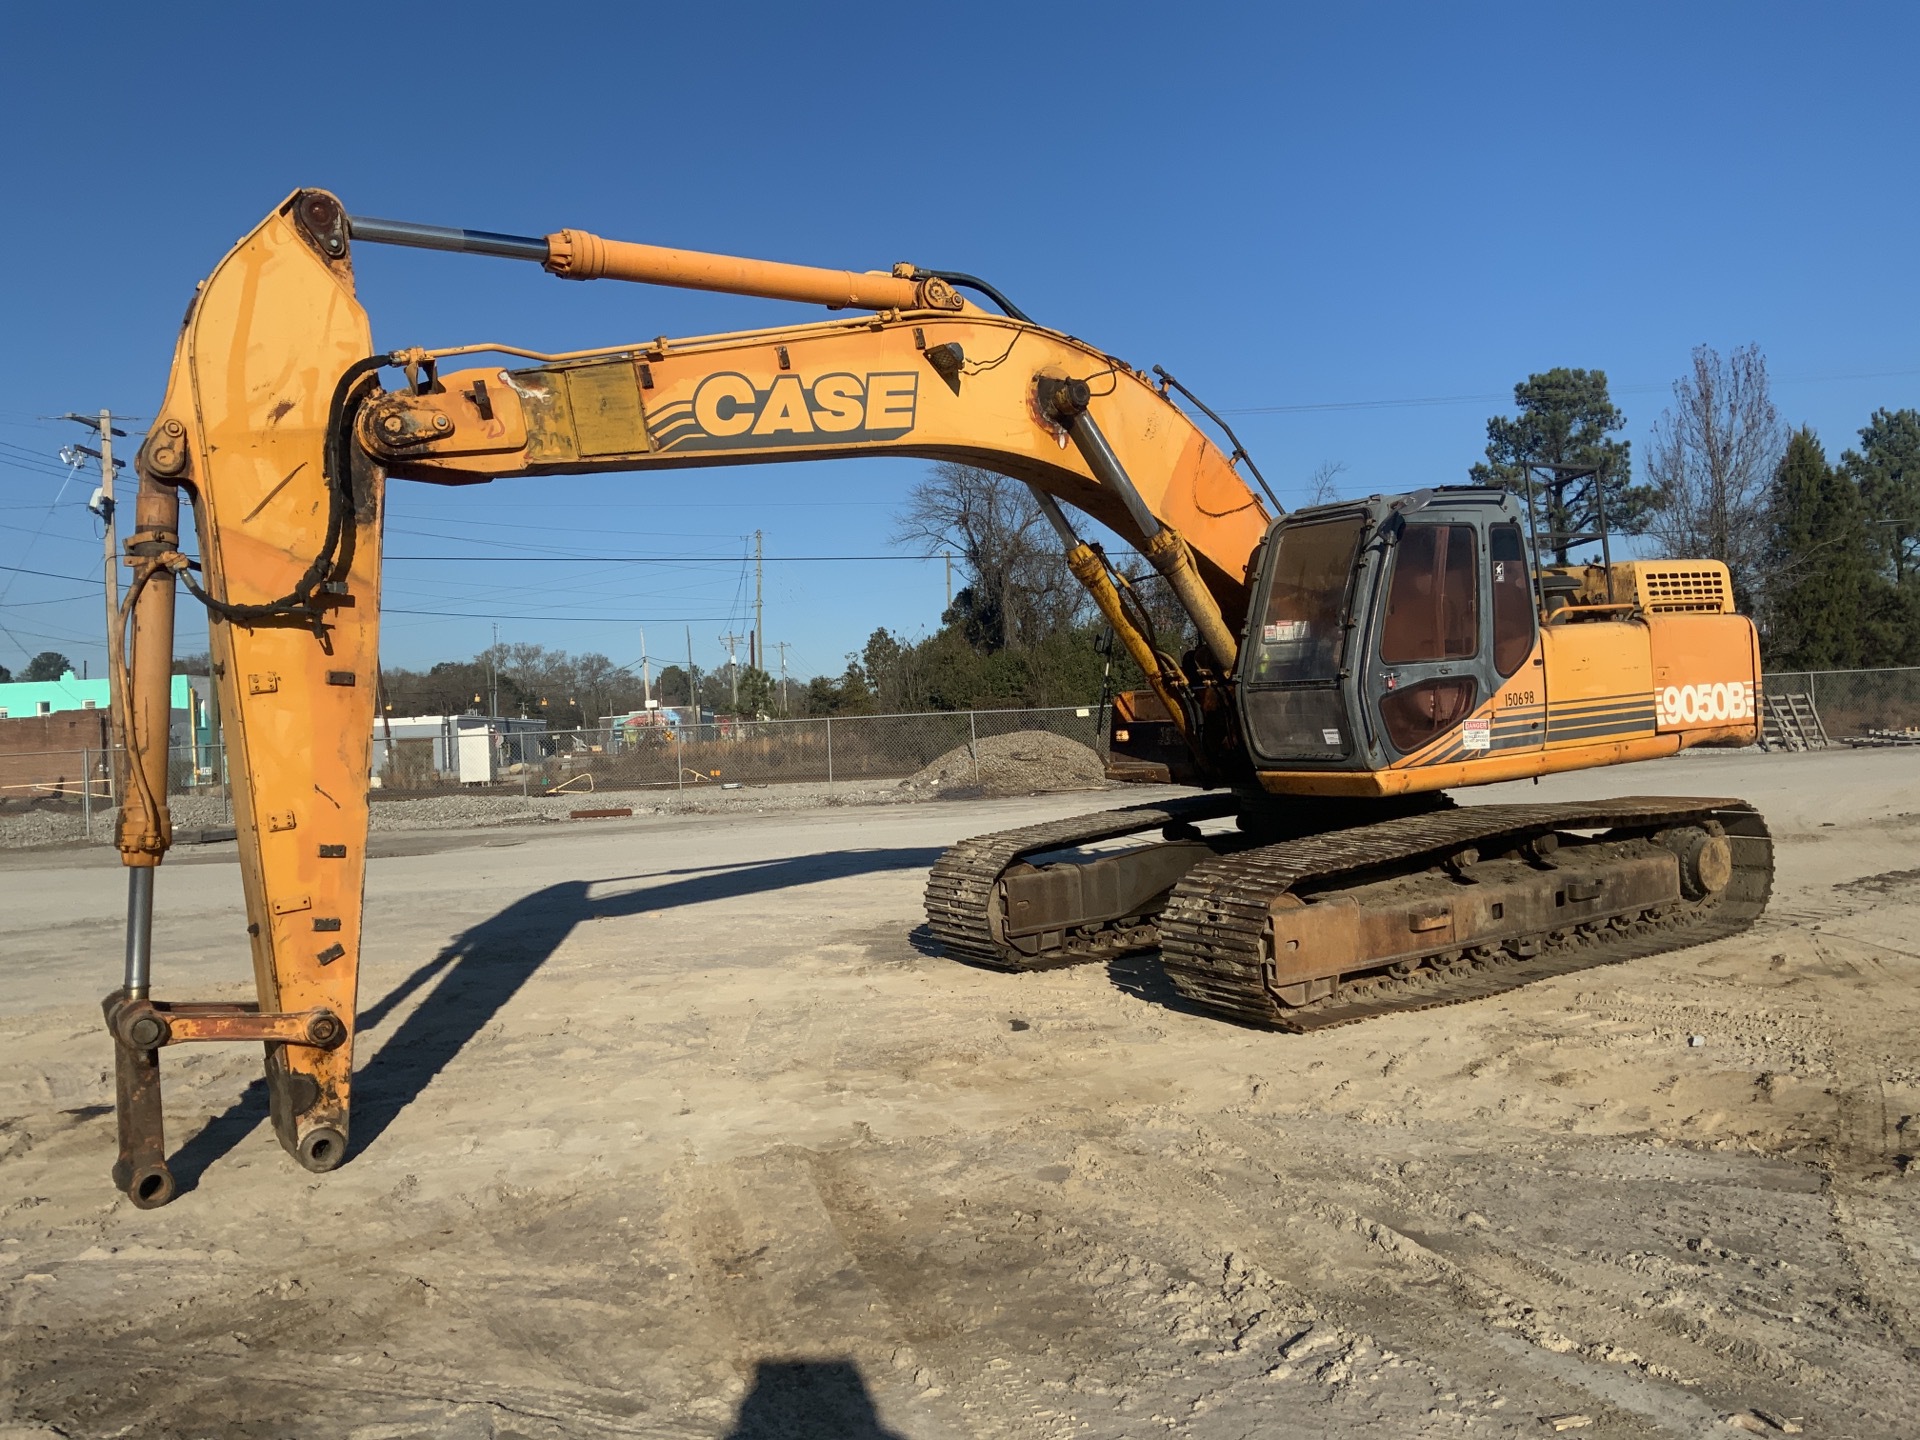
{"x":727,"y":412}
{"x":1702,"y":704}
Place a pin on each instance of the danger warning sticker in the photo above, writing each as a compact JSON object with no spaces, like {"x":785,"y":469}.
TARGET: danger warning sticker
{"x":1476,"y":732}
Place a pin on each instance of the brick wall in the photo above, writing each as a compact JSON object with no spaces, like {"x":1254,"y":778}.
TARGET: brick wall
{"x":42,"y":754}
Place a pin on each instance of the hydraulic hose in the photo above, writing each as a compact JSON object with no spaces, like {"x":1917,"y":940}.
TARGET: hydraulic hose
{"x":974,"y":282}
{"x":297,"y":605}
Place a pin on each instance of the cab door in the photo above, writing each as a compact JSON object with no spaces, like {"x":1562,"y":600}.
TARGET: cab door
{"x":1455,"y":628}
{"x":1519,"y":718}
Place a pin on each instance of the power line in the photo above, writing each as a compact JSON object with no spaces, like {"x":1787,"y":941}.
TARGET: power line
{"x":48,"y":574}
{"x":65,"y":539}
{"x":450,"y":614}
{"x":547,"y":505}
{"x":657,"y":559}
{"x":595,"y":619}
{"x":1506,"y":397}
{"x":517,"y":525}
{"x":57,"y":600}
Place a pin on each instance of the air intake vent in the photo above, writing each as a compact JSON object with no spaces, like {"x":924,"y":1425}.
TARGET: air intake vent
{"x":1654,"y":587}
{"x":1670,"y":587}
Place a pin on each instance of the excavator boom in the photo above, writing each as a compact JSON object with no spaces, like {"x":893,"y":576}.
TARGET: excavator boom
{"x":275,"y":426}
{"x":1392,"y":647}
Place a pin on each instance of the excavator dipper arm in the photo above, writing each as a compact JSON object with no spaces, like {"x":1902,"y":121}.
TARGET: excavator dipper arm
{"x":276,"y":428}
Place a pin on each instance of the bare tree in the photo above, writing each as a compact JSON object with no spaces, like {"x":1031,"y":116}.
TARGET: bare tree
{"x":1323,"y":486}
{"x":1019,"y":588}
{"x":1713,"y":458}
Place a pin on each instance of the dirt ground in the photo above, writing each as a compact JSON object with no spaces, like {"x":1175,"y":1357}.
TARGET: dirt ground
{"x":668,"y":1127}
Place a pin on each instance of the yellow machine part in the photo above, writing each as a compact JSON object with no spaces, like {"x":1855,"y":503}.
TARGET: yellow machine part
{"x":252,"y":384}
{"x":246,"y":433}
{"x":1595,"y":691}
{"x":274,"y":335}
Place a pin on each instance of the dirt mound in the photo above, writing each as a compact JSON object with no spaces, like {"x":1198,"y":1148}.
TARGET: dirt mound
{"x":1027,"y":762}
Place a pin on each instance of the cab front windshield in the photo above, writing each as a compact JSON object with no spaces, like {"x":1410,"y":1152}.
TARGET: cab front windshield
{"x":1302,"y":634}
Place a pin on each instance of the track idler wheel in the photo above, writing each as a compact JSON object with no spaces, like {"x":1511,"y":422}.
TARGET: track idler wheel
{"x":1706,"y":859}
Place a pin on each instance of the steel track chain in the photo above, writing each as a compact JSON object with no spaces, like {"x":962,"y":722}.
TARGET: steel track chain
{"x":1212,"y":929}
{"x":961,"y":886}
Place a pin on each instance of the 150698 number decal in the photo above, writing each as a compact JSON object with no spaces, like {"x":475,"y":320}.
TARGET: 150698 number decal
{"x":1513,"y":699}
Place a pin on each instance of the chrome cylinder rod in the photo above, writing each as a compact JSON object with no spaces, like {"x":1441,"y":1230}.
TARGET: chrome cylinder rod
{"x":1050,"y":508}
{"x":446,"y":237}
{"x":1107,"y":469}
{"x":139,"y":976}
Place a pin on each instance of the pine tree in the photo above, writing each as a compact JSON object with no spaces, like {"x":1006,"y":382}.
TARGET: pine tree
{"x":1886,"y":473}
{"x":1819,"y":562}
{"x":1565,"y":418}
{"x":1886,"y":468}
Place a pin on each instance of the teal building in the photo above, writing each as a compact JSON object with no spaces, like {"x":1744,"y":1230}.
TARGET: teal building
{"x":20,"y":698}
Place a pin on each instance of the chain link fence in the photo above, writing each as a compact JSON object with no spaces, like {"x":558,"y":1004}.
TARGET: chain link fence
{"x":85,"y":784}
{"x":848,"y":750}
{"x":827,"y":751}
{"x":1854,"y":702}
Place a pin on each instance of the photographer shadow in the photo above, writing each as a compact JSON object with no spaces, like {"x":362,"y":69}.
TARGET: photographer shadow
{"x":808,"y":1400}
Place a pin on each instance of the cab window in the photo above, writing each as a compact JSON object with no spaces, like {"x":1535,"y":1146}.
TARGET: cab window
{"x":1512,"y":599}
{"x":1302,"y":634}
{"x":1427,"y":711}
{"x":1433,"y":604}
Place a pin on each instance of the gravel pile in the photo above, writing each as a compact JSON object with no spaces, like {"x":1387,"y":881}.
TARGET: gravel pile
{"x":1027,"y":762}
{"x":63,"y":825}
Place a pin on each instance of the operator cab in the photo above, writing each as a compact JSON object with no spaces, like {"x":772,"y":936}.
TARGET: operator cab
{"x":1379,"y":625}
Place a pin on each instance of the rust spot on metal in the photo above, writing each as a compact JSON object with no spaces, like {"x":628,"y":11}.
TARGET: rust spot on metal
{"x":151,"y":1024}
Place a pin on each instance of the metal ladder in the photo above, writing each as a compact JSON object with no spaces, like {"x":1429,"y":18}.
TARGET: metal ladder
{"x":1792,"y":723}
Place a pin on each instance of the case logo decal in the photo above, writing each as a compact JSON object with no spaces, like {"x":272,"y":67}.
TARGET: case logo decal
{"x":727,"y":412}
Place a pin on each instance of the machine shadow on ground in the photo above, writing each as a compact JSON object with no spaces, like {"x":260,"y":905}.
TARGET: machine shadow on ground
{"x":808,"y":1400}
{"x":482,"y":968}
{"x":1142,"y":976}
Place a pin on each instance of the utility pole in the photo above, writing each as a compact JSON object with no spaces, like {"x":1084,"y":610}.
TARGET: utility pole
{"x":757,"y":646}
{"x":646,"y":673}
{"x":102,"y":505}
{"x":493,"y":673}
{"x":949,"y":580}
{"x":733,"y":663}
{"x":693,"y":689}
{"x":783,"y":647}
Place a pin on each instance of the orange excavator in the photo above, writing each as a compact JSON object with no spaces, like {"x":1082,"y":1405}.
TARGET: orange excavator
{"x":1354,"y":661}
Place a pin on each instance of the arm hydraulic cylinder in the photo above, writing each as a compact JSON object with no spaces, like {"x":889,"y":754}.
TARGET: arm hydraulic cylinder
{"x":582,"y":255}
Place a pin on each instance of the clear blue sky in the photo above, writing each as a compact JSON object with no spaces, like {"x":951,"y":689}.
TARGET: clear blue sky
{"x":1357,"y":224}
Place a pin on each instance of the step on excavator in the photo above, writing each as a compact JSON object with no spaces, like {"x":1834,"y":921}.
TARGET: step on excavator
{"x":1354,"y":661}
